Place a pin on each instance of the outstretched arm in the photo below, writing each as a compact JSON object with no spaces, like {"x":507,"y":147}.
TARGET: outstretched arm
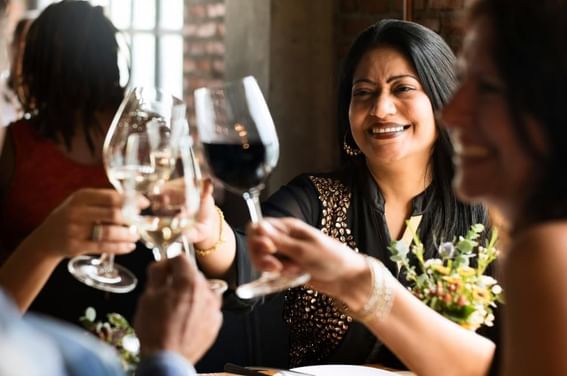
{"x":425,"y":341}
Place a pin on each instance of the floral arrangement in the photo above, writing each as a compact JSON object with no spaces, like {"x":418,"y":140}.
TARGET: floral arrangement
{"x":117,"y":332}
{"x":449,"y":284}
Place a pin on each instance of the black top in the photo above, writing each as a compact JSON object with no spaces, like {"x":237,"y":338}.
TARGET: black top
{"x":65,"y":298}
{"x":311,"y":341}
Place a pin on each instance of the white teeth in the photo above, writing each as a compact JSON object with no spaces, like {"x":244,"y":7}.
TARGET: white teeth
{"x":387,"y":130}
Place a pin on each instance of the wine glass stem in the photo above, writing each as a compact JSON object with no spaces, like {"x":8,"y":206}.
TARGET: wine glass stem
{"x":189,"y":249}
{"x":107,"y":264}
{"x":162,"y":253}
{"x":252,"y":199}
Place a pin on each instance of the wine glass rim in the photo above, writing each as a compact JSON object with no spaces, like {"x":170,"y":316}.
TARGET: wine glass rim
{"x":154,"y":90}
{"x":223,"y":84}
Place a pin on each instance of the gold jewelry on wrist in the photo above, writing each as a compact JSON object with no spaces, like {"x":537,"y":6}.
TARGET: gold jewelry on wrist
{"x":381,"y":299}
{"x":214,"y":247}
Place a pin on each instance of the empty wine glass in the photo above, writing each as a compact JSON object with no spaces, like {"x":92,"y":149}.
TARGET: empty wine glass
{"x":140,"y":107}
{"x":241,"y":147}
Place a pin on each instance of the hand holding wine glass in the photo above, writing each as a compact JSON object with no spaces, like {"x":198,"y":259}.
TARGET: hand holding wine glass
{"x":241,"y":147}
{"x":140,"y":107}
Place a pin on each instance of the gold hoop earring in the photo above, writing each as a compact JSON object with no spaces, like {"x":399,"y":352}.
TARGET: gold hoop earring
{"x":349,"y":150}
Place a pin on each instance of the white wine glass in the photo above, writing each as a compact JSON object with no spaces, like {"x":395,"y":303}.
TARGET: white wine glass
{"x":241,"y":147}
{"x":142,"y":106}
{"x":173,"y":195}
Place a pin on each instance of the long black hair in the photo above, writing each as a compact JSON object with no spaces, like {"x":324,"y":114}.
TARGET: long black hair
{"x":434,"y":62}
{"x":528,"y":47}
{"x":70,"y":70}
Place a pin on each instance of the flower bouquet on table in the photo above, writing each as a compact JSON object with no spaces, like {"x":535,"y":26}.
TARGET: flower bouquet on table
{"x":449,"y":284}
{"x":118,"y":333}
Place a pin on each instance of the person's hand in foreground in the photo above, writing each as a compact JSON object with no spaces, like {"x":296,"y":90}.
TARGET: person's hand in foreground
{"x":178,"y":312}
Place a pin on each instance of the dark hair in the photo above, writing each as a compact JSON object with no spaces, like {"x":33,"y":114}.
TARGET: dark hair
{"x":528,"y":47}
{"x":434,"y":63}
{"x":70,"y":70}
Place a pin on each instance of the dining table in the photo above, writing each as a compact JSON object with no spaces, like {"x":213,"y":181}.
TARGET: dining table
{"x":396,"y":372}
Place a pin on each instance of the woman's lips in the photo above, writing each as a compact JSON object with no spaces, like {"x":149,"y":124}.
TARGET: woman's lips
{"x":387,"y":131}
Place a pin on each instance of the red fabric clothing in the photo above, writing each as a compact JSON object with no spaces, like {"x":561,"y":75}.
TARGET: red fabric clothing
{"x":43,"y":177}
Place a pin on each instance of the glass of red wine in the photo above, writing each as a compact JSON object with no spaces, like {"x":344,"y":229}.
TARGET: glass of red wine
{"x":241,"y":147}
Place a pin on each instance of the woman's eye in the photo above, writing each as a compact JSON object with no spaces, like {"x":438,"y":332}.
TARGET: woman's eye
{"x":361,"y":92}
{"x":403,"y":89}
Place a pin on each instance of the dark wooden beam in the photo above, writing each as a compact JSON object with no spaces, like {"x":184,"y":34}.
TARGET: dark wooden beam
{"x":408,"y":10}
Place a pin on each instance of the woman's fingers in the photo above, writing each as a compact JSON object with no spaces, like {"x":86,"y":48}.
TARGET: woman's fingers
{"x":262,"y":249}
{"x":107,"y":247}
{"x":288,"y":237}
{"x":97,"y":197}
{"x":97,"y":214}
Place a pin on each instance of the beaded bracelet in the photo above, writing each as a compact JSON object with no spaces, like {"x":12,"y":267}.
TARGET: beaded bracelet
{"x":214,"y":247}
{"x":381,"y":298}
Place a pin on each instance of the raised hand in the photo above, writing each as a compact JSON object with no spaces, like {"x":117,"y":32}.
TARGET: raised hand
{"x":177,"y":312}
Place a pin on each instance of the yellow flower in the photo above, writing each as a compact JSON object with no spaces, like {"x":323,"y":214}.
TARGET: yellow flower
{"x":466,"y":271}
{"x":440,"y":269}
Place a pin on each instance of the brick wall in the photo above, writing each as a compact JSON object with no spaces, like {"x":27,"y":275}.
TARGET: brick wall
{"x":203,"y":47}
{"x":443,"y":16}
{"x":204,"y":31}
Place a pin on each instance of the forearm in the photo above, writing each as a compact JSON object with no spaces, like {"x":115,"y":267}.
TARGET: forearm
{"x":25,"y":273}
{"x":216,"y":256}
{"x":428,"y":343}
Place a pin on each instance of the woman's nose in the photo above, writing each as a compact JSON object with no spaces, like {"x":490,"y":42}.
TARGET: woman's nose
{"x":383,"y":106}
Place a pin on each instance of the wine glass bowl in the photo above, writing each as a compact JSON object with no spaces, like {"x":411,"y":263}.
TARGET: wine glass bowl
{"x":151,"y":112}
{"x":143,"y":110}
{"x":241,"y":148}
{"x":171,"y":189}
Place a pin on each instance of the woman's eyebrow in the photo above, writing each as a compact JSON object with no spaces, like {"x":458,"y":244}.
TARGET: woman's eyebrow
{"x":397,"y":77}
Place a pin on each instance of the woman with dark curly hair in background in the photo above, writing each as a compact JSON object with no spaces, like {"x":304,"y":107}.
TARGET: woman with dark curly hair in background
{"x":70,"y":92}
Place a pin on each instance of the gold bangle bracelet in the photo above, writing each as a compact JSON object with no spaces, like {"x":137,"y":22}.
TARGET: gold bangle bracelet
{"x":214,"y":247}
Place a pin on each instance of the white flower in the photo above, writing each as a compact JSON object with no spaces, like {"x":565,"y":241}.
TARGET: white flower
{"x":486,"y":280}
{"x":434,"y":261}
{"x":131,"y":343}
{"x":401,"y":248}
{"x":496,"y":289}
{"x":447,"y":250}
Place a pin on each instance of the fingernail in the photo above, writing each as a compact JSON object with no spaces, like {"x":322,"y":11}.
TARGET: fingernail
{"x":267,"y":226}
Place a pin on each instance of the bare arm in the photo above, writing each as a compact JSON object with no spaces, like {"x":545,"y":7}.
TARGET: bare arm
{"x":66,"y":232}
{"x":428,"y":343}
{"x":535,"y":276}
